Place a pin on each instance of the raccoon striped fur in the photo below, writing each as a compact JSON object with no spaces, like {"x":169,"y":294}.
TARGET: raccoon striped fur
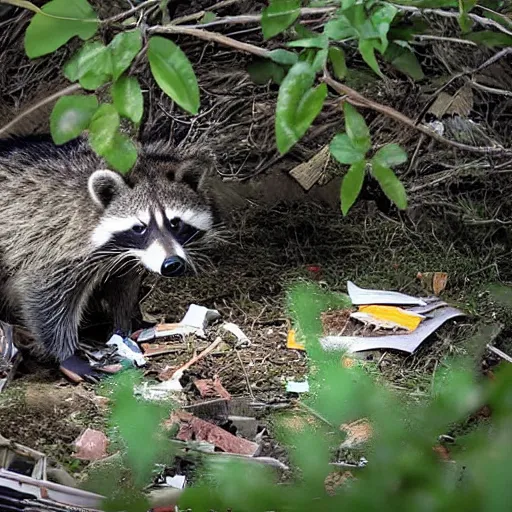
{"x":70,"y":228}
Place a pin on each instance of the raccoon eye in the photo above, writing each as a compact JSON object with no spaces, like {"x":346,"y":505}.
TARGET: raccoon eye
{"x":139,"y":229}
{"x":176,"y":224}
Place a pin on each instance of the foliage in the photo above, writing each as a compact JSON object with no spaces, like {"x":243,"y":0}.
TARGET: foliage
{"x":404,"y":472}
{"x":380,"y":31}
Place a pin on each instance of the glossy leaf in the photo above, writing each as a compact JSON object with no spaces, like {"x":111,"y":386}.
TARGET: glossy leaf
{"x":173,"y":73}
{"x":283,"y":57}
{"x":390,"y":184}
{"x":103,"y":127}
{"x":320,"y":60}
{"x":312,"y":42}
{"x":489,"y":38}
{"x":339,"y":65}
{"x":351,"y":185}
{"x":46,"y":34}
{"x":298,"y":104}
{"x":339,"y":29}
{"x":278,"y":16}
{"x":343,"y":150}
{"x":381,"y":20}
{"x":357,"y":129}
{"x":121,"y":154}
{"x":91,"y":66}
{"x":390,"y":155}
{"x":127,"y":97}
{"x":70,"y":116}
{"x":404,"y":60}
{"x":124,"y":48}
{"x":367,"y":50}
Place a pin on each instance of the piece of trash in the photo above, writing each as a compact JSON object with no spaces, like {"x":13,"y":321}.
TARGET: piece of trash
{"x":77,"y":370}
{"x":199,"y":317}
{"x":291,"y":342}
{"x":388,"y":317}
{"x":91,"y":445}
{"x":192,"y":428}
{"x":408,"y":342}
{"x":10,"y":357}
{"x":127,"y":349}
{"x":20,"y":459}
{"x":209,"y":388}
{"x":156,"y":349}
{"x":243,"y":340}
{"x":297,"y":387}
{"x":433,"y":281}
{"x":176,"y":481}
{"x":361,"y":296}
{"x":358,"y":432}
{"x":246,"y":427}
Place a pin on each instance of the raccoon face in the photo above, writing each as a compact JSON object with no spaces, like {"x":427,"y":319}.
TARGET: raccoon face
{"x":155,"y":219}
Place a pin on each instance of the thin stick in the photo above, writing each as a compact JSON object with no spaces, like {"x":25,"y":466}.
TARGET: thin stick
{"x":49,"y":99}
{"x":359,"y":100}
{"x":498,"y":352}
{"x":248,"y":382}
{"x":200,"y":356}
{"x":127,"y":14}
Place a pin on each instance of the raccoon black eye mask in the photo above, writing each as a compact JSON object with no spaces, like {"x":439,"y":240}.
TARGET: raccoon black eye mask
{"x":91,"y":231}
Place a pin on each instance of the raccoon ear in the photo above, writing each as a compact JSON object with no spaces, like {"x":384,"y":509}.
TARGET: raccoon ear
{"x":195,"y":170}
{"x":104,"y":186}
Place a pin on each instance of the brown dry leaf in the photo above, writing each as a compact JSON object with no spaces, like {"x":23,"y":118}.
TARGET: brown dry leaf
{"x":347,"y":362}
{"x":358,"y":432}
{"x":439,"y":280}
{"x":462,"y":103}
{"x":311,"y":172}
{"x":335,"y":480}
{"x":442,"y":452}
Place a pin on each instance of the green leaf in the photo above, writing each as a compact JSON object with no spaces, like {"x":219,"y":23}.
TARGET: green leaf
{"x":121,"y":154}
{"x":124,"y":48}
{"x":339,"y":65}
{"x":339,"y":29}
{"x":103,"y":127}
{"x":46,"y":34}
{"x":390,"y":155}
{"x":91,"y":66}
{"x":367,"y":50}
{"x":283,"y":57}
{"x":173,"y":73}
{"x":489,"y":38}
{"x":127,"y":97}
{"x":344,"y":151}
{"x":351,"y":185}
{"x":465,"y":22}
{"x":208,"y":17}
{"x":320,"y":60}
{"x":381,"y":20}
{"x":298,"y":104}
{"x":263,"y":70}
{"x":278,"y":16}
{"x":70,"y":116}
{"x":404,"y":60}
{"x":312,"y":42}
{"x":356,"y":127}
{"x":390,"y":184}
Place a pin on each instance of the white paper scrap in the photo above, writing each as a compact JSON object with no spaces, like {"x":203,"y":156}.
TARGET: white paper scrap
{"x":361,"y":297}
{"x":405,"y":342}
{"x":125,"y":351}
{"x":297,"y":387}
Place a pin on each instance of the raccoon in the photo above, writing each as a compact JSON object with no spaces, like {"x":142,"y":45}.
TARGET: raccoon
{"x":70,"y":228}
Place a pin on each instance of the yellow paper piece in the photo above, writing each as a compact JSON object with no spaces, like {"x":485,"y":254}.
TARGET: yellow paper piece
{"x":402,"y":318}
{"x":291,"y":343}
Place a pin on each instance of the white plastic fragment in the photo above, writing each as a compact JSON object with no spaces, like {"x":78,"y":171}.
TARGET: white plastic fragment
{"x":297,"y":387}
{"x":126,"y":351}
{"x":199,"y":317}
{"x":176,"y":481}
{"x":405,"y":342}
{"x":361,"y":297}
{"x":234,"y":329}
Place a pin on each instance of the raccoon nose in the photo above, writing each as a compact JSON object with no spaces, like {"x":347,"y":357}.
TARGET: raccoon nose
{"x":173,"y":266}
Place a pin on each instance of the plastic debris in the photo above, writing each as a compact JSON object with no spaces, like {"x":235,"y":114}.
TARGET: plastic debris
{"x":361,"y":296}
{"x":408,"y":342}
{"x":388,"y":317}
{"x":91,"y":445}
{"x":192,"y":428}
{"x":243,"y":340}
{"x":157,"y":349}
{"x":291,"y":342}
{"x":10,"y":357}
{"x":209,"y":388}
{"x":199,"y":317}
{"x":176,"y":481}
{"x":297,"y":387}
{"x":127,"y":349}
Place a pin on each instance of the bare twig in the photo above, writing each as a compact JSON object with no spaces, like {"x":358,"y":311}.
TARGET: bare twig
{"x":359,"y":100}
{"x":127,"y":14}
{"x":247,"y":381}
{"x":486,"y":22}
{"x":490,"y":90}
{"x":500,"y":353}
{"x":49,"y":99}
{"x":425,"y":37}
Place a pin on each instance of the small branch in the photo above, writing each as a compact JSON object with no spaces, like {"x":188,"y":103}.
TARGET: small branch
{"x":498,"y":352}
{"x":210,"y":36}
{"x":359,"y":100}
{"x":422,"y":37}
{"x":127,"y":14}
{"x":490,"y":90}
{"x":49,"y":99}
{"x":450,"y":14}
